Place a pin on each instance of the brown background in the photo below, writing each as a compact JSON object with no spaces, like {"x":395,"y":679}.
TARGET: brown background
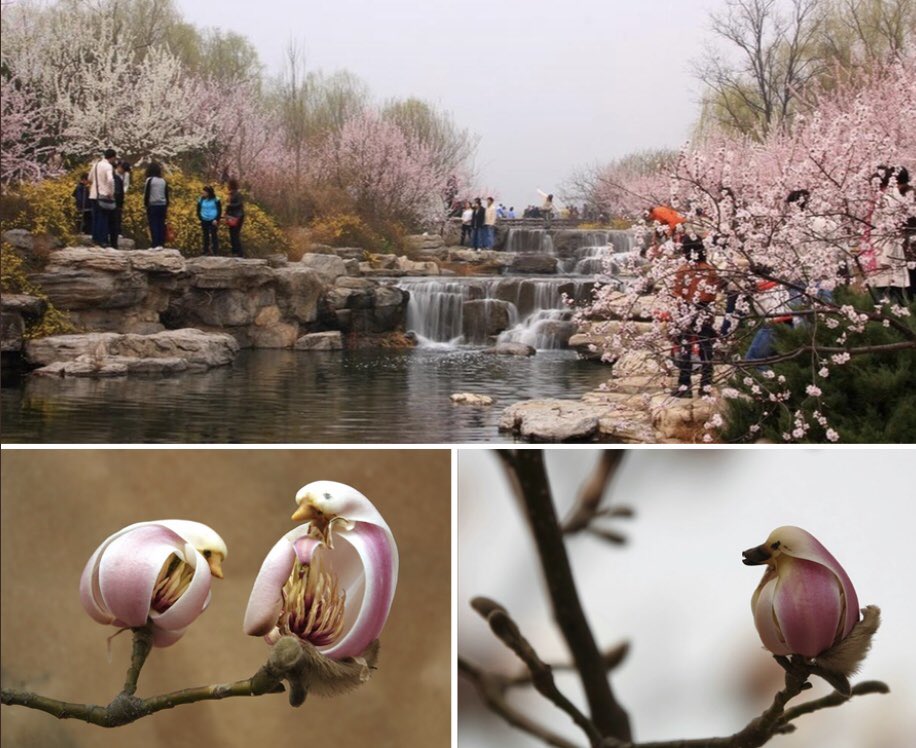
{"x":59,"y":505}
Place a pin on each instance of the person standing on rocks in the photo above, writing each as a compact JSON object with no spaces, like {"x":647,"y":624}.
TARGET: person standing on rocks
{"x":114,"y":221}
{"x":209,"y":211}
{"x":156,"y":200}
{"x":102,"y":196}
{"x":489,"y":221}
{"x":478,"y":228}
{"x":235,"y":217}
{"x":83,"y":204}
{"x":547,"y":211}
{"x":467,"y":215}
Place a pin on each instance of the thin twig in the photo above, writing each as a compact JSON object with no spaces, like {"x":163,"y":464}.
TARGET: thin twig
{"x":492,"y":689}
{"x":529,"y":478}
{"x":508,"y":632}
{"x":593,"y":490}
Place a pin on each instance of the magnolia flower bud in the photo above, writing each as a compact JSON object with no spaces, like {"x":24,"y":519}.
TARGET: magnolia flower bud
{"x":153,"y":572}
{"x":805,"y":604}
{"x":330,"y":581}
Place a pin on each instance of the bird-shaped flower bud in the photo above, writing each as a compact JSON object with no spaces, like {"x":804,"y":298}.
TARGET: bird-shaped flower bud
{"x":153,"y":572}
{"x":805,"y":603}
{"x":331,"y":580}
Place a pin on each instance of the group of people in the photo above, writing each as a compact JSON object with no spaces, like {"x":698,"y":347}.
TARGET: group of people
{"x":99,"y":197}
{"x":478,"y":224}
{"x":886,"y":263}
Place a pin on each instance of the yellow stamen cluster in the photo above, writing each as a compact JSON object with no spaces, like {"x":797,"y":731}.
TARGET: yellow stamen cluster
{"x":173,"y":580}
{"x":313,"y":606}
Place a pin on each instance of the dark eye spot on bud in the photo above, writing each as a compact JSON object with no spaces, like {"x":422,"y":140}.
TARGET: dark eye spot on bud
{"x":327,"y":496}
{"x":775,"y":545}
{"x":206,"y":554}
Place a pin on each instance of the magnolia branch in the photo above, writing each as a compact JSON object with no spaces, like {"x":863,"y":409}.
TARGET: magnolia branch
{"x":291,"y":660}
{"x":529,"y":478}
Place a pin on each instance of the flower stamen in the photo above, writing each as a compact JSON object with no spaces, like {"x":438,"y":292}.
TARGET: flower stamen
{"x":313,"y":604}
{"x":174,"y":578}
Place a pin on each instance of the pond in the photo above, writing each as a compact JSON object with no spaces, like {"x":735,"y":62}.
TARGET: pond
{"x":267,"y":396}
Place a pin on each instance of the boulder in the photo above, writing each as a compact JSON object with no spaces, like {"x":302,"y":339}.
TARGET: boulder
{"x":320,"y":341}
{"x":484,"y":318}
{"x":512,"y":349}
{"x":166,"y":261}
{"x":412,"y":267}
{"x":552,"y":420}
{"x":535,"y":264}
{"x":328,"y":267}
{"x":272,"y":333}
{"x":201,"y":350}
{"x":469,"y":398}
{"x":298,"y":292}
{"x":424,"y":241}
{"x":22,"y":239}
{"x":87,"y":287}
{"x":350,"y":253}
{"x":216,"y":273}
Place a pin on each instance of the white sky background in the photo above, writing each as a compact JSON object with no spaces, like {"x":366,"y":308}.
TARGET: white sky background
{"x":679,"y":592}
{"x":547,"y":85}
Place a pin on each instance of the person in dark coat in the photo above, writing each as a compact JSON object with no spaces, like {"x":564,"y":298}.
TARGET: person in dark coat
{"x":83,"y":206}
{"x":235,"y":217}
{"x":478,"y":225}
{"x":114,"y":220}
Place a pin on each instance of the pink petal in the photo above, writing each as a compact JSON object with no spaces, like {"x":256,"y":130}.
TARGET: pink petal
{"x":374,"y":574}
{"x":129,"y":567}
{"x":191,"y":604}
{"x":807,"y":605}
{"x":305,"y":548}
{"x":266,"y":600}
{"x":800,"y":543}
{"x":163,"y":638}
{"x":764,"y":618}
{"x":90,"y":595}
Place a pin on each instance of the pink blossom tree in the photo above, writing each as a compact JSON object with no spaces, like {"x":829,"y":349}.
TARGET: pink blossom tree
{"x":847,"y":231}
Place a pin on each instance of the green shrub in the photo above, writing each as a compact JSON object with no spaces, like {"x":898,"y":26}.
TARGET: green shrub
{"x":870,"y":399}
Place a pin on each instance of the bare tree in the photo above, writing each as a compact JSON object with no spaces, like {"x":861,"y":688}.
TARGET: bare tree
{"x":771,"y":56}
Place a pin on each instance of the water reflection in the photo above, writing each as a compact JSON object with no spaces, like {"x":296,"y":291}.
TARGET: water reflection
{"x":288,"y":396}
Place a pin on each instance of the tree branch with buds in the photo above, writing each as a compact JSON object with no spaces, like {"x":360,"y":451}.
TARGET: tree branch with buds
{"x":607,"y":725}
{"x":297,"y":663}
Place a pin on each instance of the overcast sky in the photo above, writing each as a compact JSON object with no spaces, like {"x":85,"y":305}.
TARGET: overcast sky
{"x":547,"y":86}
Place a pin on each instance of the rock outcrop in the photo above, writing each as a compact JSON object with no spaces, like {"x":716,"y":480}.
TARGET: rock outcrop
{"x":108,"y":354}
{"x":15,"y":311}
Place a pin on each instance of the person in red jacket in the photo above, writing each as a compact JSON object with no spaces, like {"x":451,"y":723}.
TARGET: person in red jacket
{"x":696,"y":285}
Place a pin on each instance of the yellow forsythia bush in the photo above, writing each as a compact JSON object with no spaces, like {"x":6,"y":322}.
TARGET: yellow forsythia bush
{"x":51,"y":209}
{"x":14,"y":279}
{"x":344,"y":230}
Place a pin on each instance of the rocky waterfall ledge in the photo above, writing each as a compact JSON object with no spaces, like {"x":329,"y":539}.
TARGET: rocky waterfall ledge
{"x":155,"y":312}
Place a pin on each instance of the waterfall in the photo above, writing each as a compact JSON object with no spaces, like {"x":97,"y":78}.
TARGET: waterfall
{"x":519,"y":308}
{"x":529,"y":241}
{"x":475,"y":311}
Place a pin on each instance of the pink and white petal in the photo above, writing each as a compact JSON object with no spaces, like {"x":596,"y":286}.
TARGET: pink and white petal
{"x":305,"y":549}
{"x":379,"y":559}
{"x":764,"y":618}
{"x":191,"y":604}
{"x":166,"y":638}
{"x":90,"y":596}
{"x":129,"y":568}
{"x":266,"y":600}
{"x":807,"y":605}
{"x":800,"y":543}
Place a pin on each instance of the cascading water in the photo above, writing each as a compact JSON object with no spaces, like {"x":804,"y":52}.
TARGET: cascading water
{"x":477,"y":311}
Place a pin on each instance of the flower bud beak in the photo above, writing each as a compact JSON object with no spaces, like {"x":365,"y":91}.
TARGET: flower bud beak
{"x":756,"y":556}
{"x":215,"y":561}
